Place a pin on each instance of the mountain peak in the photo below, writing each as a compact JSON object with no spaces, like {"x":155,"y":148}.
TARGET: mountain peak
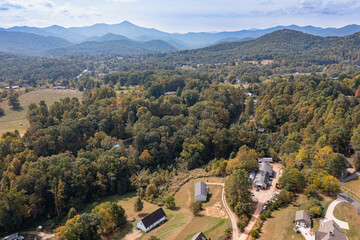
{"x":127,"y":23}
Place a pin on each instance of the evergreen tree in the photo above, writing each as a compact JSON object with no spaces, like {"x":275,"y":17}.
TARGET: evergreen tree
{"x":139,"y":205}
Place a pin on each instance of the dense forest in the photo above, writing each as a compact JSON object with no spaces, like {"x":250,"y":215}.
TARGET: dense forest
{"x":114,"y":141}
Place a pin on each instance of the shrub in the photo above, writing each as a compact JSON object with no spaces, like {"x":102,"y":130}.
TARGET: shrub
{"x":274,"y":206}
{"x":170,"y":202}
{"x":254,"y":233}
{"x":196,"y":207}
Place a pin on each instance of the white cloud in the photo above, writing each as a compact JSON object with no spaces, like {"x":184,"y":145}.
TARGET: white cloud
{"x":20,"y":12}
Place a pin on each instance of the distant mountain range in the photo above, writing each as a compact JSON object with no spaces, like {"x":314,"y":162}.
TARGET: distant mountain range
{"x":137,"y":39}
{"x":288,"y":44}
{"x":124,"y":47}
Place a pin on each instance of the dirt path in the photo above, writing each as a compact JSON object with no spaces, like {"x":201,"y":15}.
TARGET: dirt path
{"x":44,"y":236}
{"x":232,"y":216}
{"x":135,"y":234}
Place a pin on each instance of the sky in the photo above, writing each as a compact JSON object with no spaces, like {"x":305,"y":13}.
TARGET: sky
{"x":181,"y":15}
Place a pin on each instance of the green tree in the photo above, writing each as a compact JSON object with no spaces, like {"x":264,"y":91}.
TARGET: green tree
{"x":13,"y":209}
{"x":72,"y":213}
{"x":196,"y":207}
{"x":237,"y":191}
{"x":81,"y":227}
{"x":112,"y":214}
{"x":355,"y":138}
{"x":193,"y":155}
{"x":138,"y":206}
{"x":336,"y":165}
{"x":14,"y":100}
{"x":59,"y":195}
{"x":170,"y":202}
{"x":292,"y":180}
{"x":249,"y":108}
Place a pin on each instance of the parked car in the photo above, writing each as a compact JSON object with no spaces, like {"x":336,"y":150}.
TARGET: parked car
{"x":265,"y":207}
{"x":257,"y":189}
{"x":132,"y":220}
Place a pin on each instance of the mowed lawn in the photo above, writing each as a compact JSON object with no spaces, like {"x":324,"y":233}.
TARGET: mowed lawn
{"x":212,"y":227}
{"x":347,"y":212}
{"x":12,"y":119}
{"x":180,"y":223}
{"x":280,"y":225}
{"x":353,"y":187}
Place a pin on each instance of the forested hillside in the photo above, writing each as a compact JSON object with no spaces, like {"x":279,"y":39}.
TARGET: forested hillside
{"x":70,"y":145}
{"x":287,"y":46}
{"x":145,"y":119}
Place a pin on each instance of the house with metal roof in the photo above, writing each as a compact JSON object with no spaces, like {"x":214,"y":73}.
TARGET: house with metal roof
{"x":302,"y":219}
{"x":263,"y":175}
{"x":201,"y":192}
{"x":199,"y":236}
{"x":152,"y":220}
{"x":329,"y":230}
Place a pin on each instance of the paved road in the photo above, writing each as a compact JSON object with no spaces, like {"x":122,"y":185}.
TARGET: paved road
{"x":351,"y":177}
{"x":233,"y":218}
{"x":330,"y":213}
{"x":350,"y":200}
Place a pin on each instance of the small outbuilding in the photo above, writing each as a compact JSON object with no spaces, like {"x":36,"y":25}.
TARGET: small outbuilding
{"x":199,"y":236}
{"x":201,"y":192}
{"x":152,"y":220}
{"x":302,"y":219}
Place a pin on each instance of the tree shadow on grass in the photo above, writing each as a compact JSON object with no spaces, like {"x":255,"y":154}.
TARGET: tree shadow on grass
{"x":19,"y":109}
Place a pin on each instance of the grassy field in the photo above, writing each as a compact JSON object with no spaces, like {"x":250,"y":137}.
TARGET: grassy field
{"x":12,"y":119}
{"x":348,"y":213}
{"x":353,"y":187}
{"x":181,"y":223}
{"x":280,"y":226}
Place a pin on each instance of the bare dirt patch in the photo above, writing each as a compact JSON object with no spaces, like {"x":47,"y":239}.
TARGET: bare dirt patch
{"x":215,"y":210}
{"x":133,"y":235}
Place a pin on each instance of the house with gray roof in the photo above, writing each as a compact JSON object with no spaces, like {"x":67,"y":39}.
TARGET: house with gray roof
{"x":302,"y":219}
{"x":265,"y":159}
{"x":329,"y":230}
{"x":199,"y":236}
{"x":201,"y":192}
{"x":263,"y":175}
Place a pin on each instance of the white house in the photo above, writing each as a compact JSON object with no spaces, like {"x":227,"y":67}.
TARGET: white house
{"x":152,"y":220}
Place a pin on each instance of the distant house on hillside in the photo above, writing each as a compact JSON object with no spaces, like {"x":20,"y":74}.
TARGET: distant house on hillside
{"x":199,"y":236}
{"x":152,"y":220}
{"x":59,"y":87}
{"x":329,"y":230}
{"x":201,"y":192}
{"x":263,"y":175}
{"x":302,"y":219}
{"x":265,"y":159}
{"x":169,"y":93}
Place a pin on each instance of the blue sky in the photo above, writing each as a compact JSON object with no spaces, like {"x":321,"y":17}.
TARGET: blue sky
{"x":181,"y":15}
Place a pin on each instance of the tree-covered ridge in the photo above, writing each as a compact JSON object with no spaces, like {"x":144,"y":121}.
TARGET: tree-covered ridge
{"x":113,"y":142}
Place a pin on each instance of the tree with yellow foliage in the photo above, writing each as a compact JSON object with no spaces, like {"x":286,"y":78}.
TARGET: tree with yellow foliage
{"x":322,"y":156}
